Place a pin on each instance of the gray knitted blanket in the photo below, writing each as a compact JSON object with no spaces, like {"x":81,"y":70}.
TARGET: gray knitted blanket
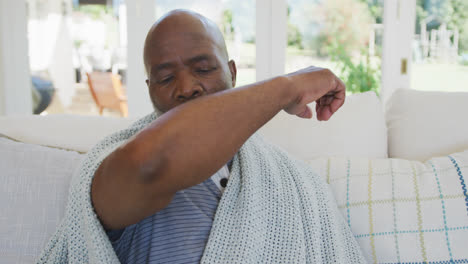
{"x":275,"y":209}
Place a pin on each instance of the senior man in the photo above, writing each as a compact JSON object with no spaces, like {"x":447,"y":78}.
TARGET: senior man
{"x":166,"y":193}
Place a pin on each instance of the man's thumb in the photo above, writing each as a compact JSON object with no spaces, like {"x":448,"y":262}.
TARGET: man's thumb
{"x":305,"y":113}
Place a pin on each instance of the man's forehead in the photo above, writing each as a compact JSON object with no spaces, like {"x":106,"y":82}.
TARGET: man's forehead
{"x":180,"y":38}
{"x":181,"y":45}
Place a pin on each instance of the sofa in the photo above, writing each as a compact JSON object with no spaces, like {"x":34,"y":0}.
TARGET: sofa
{"x":397,"y":171}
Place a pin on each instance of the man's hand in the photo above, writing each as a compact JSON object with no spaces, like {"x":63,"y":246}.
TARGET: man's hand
{"x":315,"y":84}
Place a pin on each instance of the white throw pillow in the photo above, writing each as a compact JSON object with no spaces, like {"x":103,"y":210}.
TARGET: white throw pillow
{"x":422,"y":125}
{"x":357,"y":129}
{"x":403,"y":211}
{"x":72,"y":132}
{"x":34,"y":185}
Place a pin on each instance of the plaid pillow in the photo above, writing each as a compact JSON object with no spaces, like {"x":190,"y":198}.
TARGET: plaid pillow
{"x":403,"y":211}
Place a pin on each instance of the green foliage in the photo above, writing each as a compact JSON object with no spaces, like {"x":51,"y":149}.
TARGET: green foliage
{"x":250,"y":40}
{"x":227,"y":25}
{"x":452,"y":12}
{"x":358,"y":77}
{"x":457,"y":17}
{"x":375,"y":9}
{"x":344,"y":30}
{"x":463,"y":42}
{"x":77,"y":43}
{"x":421,"y":14}
{"x":346,"y":23}
{"x":95,"y":11}
{"x":294,"y":36}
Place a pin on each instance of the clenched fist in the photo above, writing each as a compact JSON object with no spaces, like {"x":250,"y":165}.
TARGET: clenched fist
{"x":315,"y":84}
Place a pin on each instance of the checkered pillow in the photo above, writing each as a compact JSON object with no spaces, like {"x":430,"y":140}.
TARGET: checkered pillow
{"x":403,"y":211}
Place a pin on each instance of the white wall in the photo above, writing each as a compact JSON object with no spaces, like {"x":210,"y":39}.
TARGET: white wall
{"x":140,"y":16}
{"x":15,"y":80}
{"x":399,"y":22}
{"x":271,"y":38}
{"x":2,"y":92}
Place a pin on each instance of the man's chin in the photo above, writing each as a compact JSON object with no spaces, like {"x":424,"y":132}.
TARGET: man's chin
{"x":157,"y":110}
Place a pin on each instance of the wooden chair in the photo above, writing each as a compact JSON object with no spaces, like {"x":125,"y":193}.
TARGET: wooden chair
{"x":106,"y":89}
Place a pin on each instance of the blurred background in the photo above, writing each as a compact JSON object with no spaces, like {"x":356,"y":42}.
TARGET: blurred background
{"x":84,"y":56}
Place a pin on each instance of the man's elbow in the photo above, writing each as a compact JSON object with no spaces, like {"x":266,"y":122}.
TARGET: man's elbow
{"x":146,"y":164}
{"x":127,"y":187}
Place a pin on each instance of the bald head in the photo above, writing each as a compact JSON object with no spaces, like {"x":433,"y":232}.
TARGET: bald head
{"x":182,"y":22}
{"x":185,"y":57}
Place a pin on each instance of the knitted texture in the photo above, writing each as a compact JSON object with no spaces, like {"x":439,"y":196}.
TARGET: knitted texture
{"x":274,"y":210}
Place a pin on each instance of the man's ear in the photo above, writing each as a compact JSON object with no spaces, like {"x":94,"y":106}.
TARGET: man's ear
{"x":233,"y":69}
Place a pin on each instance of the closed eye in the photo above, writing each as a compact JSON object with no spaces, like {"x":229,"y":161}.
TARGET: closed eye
{"x":205,"y":70}
{"x":165,"y":80}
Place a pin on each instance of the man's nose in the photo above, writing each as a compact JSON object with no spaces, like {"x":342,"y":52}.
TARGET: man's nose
{"x":188,"y":87}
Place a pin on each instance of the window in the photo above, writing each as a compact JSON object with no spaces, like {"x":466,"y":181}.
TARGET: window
{"x":342,"y":35}
{"x":440,"y":47}
{"x":67,"y":40}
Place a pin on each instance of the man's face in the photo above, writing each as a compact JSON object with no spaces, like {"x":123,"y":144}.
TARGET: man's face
{"x":183,"y":66}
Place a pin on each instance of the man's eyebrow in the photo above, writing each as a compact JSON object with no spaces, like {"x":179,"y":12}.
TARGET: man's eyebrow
{"x":160,"y":67}
{"x":201,"y":57}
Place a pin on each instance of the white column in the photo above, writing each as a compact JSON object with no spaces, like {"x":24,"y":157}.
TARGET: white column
{"x":141,"y":15}
{"x":60,"y":67}
{"x":399,"y":21}
{"x":271,"y":37}
{"x":15,"y":79}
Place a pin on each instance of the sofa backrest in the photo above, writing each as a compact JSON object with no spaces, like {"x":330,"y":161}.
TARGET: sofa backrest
{"x":422,"y":125}
{"x":357,"y":129}
{"x":71,"y":132}
{"x":34,"y":183}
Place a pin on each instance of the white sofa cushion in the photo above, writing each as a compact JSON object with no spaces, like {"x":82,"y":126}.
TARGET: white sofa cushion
{"x":422,"y":125}
{"x":403,"y":211}
{"x":33,"y":192}
{"x":357,"y":129}
{"x":72,"y":132}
